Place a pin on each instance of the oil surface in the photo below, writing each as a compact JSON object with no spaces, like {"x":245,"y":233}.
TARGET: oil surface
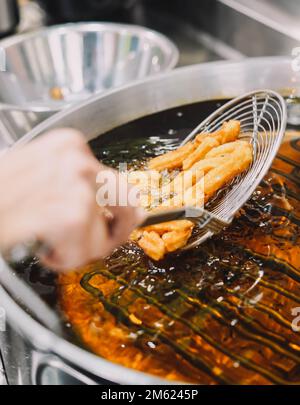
{"x":221,"y":313}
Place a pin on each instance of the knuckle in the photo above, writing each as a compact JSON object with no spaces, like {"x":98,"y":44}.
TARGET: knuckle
{"x":70,"y":135}
{"x":62,"y":138}
{"x":85,"y":165}
{"x":82,"y":163}
{"x":77,"y":220}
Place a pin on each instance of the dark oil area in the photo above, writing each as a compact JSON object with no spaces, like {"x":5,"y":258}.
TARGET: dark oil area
{"x":150,"y":136}
{"x":222,"y":313}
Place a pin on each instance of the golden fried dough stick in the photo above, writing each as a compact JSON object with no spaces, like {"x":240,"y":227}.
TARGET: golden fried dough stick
{"x":170,"y":226}
{"x":158,"y":239}
{"x":217,"y":170}
{"x":208,"y":163}
{"x":230,"y":166}
{"x":182,"y":181}
{"x":192,"y":197}
{"x":197,"y":171}
{"x":228,"y":132}
{"x":205,"y":146}
{"x":205,"y":165}
{"x":226,"y":148}
{"x":195,"y":196}
{"x":173,"y":159}
{"x":152,"y":245}
{"x":176,"y":240}
{"x":191,"y":194}
{"x":146,"y":181}
{"x":218,"y":177}
{"x":136,"y":234}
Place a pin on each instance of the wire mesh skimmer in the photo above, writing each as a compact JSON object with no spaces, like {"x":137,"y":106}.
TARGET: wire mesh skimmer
{"x":262,"y":114}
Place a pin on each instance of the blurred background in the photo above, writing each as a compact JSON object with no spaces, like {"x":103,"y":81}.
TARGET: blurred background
{"x":203,"y":30}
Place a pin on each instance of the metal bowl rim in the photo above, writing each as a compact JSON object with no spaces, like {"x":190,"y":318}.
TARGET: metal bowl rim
{"x":164,"y":42}
{"x":51,"y":343}
{"x":178,"y":71}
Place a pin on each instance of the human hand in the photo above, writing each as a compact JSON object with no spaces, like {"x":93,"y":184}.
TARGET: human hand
{"x":48,"y":192}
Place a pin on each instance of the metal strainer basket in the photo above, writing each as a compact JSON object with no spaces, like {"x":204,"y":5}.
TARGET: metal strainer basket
{"x":262,"y":114}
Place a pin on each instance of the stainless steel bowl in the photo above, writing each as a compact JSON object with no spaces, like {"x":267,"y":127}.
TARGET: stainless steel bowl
{"x":45,"y":358}
{"x":16,"y":121}
{"x":60,"y":65}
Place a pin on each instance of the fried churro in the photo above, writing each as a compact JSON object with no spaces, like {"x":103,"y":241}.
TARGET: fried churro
{"x":206,"y":165}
